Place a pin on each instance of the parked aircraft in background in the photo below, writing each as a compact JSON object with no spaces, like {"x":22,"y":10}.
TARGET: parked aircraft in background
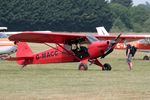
{"x":4,"y":31}
{"x":6,"y":47}
{"x":68,"y":48}
{"x":102,"y":31}
{"x":142,"y":45}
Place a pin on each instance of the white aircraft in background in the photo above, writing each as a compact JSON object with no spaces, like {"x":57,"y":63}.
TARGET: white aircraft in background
{"x":6,"y":47}
{"x":102,"y":31}
{"x":4,"y":31}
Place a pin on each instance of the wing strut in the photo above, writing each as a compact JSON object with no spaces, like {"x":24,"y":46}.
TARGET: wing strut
{"x":53,"y":47}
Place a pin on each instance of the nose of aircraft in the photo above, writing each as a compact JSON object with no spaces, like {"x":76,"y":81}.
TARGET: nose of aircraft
{"x":13,"y":48}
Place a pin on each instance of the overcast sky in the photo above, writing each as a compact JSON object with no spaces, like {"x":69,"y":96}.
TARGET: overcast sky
{"x":136,"y":2}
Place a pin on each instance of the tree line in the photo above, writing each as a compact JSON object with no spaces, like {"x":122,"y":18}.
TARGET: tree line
{"x":74,"y":15}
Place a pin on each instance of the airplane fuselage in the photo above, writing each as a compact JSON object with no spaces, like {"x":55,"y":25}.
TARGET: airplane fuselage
{"x":54,"y":56}
{"x":58,"y":55}
{"x":62,"y":55}
{"x":143,"y":44}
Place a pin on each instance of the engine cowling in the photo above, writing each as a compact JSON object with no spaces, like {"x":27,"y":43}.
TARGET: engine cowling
{"x":97,"y":49}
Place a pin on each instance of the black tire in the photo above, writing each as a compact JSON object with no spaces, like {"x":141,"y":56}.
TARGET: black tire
{"x":146,"y":58}
{"x":83,"y":67}
{"x":107,"y":67}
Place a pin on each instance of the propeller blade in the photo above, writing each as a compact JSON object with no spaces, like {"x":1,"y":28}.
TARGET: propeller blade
{"x":118,"y":37}
{"x":110,"y":47}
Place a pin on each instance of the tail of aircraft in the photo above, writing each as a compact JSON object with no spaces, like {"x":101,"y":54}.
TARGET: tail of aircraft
{"x":102,"y":31}
{"x":23,"y":49}
{"x":24,"y":54}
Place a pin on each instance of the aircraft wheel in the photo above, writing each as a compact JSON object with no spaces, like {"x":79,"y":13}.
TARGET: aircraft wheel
{"x":145,"y":58}
{"x":107,"y":67}
{"x":83,"y":67}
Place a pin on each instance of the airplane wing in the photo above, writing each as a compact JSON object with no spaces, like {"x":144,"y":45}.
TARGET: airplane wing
{"x":54,"y":37}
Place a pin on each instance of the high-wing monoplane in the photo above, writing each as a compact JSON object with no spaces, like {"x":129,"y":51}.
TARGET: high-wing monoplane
{"x":70,"y":48}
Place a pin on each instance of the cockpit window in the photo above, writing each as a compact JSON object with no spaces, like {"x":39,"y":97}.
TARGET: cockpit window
{"x":144,"y":41}
{"x":2,"y":35}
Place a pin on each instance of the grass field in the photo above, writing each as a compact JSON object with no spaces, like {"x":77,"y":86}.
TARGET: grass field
{"x":64,"y":82}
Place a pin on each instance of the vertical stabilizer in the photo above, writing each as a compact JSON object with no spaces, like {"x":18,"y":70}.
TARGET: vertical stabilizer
{"x":102,"y":31}
{"x":24,"y":52}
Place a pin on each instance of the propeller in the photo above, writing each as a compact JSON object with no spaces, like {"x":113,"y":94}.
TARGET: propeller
{"x":110,"y":47}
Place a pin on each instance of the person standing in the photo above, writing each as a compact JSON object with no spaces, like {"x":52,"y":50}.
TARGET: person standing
{"x":129,"y":56}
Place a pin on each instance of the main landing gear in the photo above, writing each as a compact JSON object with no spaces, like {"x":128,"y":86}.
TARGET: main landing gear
{"x":106,"y":67}
{"x":146,"y":57}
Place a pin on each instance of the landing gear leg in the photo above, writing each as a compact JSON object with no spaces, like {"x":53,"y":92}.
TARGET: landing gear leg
{"x":105,"y":67}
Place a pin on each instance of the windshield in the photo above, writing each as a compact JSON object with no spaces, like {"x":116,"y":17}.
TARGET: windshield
{"x":2,"y":35}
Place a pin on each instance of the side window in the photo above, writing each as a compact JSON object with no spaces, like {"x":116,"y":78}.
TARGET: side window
{"x":68,"y":47}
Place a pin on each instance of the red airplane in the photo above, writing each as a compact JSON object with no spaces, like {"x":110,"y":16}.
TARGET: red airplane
{"x":68,"y":48}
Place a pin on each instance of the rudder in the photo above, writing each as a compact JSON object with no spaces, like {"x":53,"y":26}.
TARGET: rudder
{"x":24,"y":51}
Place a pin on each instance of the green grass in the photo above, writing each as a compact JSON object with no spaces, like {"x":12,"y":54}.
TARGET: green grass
{"x":64,"y":82}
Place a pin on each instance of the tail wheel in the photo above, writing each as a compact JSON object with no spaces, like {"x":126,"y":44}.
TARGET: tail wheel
{"x":83,"y":67}
{"x":107,"y":67}
{"x":145,"y":58}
